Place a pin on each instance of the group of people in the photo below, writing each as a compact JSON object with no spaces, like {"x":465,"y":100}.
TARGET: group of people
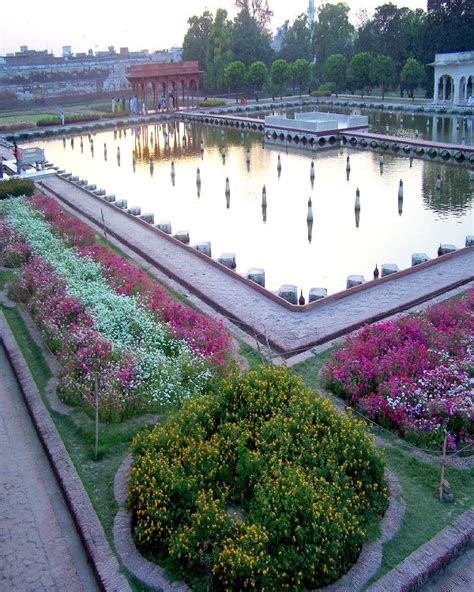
{"x":118,"y":104}
{"x":134,"y":106}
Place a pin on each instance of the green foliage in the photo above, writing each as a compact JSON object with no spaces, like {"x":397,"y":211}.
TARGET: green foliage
{"x":235,"y":75}
{"x":300,"y":72}
{"x":212,"y":103}
{"x":219,"y":51}
{"x":383,"y":72}
{"x":322,"y":91}
{"x":412,"y":75}
{"x":16,"y":187}
{"x":359,"y":70}
{"x":296,"y":42}
{"x":250,"y":40}
{"x":335,"y":70}
{"x":261,"y":485}
{"x":333,"y":32}
{"x":196,"y":38}
{"x":280,"y":74}
{"x":68,"y":118}
{"x":257,"y":75}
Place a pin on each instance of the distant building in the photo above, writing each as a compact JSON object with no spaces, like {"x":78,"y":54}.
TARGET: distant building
{"x":39,"y":76}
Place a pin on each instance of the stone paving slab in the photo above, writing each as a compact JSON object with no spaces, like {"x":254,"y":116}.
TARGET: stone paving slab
{"x":287,"y":329}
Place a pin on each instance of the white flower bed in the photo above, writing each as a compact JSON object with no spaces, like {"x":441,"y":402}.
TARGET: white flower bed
{"x":166,"y":366}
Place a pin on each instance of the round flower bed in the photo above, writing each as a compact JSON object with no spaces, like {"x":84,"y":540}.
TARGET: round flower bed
{"x":260,"y":486}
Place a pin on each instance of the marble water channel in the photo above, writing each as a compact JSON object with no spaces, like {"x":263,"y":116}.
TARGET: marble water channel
{"x":342,"y":240}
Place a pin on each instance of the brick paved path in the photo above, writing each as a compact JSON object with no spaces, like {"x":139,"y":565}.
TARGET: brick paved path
{"x":285,"y":329}
{"x":39,"y":546}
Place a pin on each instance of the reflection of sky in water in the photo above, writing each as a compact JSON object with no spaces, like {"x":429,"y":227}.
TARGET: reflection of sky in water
{"x":439,"y":128}
{"x":280,"y":245}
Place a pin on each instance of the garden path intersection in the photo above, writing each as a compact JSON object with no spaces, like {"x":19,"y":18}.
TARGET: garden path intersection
{"x":285,"y":327}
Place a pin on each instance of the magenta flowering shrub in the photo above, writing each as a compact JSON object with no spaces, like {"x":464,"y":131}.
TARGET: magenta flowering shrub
{"x":72,"y":230}
{"x":83,"y":354}
{"x":413,"y":375}
{"x":14,"y":251}
{"x":202,"y":334}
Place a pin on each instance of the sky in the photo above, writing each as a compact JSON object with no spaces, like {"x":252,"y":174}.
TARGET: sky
{"x":143,"y":24}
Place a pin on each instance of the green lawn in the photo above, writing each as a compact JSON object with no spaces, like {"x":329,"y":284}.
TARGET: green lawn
{"x":23,"y":117}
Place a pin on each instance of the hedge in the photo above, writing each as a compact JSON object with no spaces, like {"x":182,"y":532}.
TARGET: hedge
{"x":16,"y":187}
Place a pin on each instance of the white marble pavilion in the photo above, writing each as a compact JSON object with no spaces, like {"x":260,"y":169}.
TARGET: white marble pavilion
{"x":454,"y":77}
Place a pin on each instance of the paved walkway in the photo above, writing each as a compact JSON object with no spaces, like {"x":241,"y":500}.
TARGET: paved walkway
{"x":287,"y":330}
{"x":40,"y":549}
{"x":457,"y":577}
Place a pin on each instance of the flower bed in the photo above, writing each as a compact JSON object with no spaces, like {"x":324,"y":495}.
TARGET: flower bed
{"x":413,"y":375}
{"x":263,"y":486}
{"x":202,"y":334}
{"x":160,"y":370}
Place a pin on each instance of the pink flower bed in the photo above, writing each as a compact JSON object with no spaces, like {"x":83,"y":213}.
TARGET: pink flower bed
{"x":203,"y":334}
{"x":82,"y":352}
{"x":414,"y":374}
{"x":14,"y":252}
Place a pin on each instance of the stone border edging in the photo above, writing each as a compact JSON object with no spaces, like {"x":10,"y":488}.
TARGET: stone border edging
{"x":104,"y":564}
{"x":428,"y":559}
{"x":366,"y":566}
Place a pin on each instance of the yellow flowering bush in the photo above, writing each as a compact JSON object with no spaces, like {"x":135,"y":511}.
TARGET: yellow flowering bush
{"x":261,"y":485}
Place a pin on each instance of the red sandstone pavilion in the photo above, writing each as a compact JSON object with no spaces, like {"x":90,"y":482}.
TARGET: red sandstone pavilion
{"x":166,"y":80}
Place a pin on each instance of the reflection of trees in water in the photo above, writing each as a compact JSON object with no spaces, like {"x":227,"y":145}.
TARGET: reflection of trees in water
{"x":456,"y":195}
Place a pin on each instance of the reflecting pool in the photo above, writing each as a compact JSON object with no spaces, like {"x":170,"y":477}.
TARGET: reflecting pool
{"x":340,"y":242}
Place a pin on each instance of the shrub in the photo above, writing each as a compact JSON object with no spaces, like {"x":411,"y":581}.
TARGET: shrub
{"x":260,"y":486}
{"x":322,"y":91}
{"x":412,"y":374}
{"x":16,"y":187}
{"x":11,"y":127}
{"x":212,"y":103}
{"x":68,"y":118}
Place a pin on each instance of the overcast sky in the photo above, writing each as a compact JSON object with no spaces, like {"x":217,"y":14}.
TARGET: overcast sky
{"x":150,"y":24}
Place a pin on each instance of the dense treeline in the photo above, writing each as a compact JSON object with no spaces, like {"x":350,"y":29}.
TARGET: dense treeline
{"x":392,"y":48}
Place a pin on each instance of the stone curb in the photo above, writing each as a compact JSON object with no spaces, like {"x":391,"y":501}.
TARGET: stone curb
{"x":104,"y":563}
{"x":369,"y":561}
{"x":431,"y":557}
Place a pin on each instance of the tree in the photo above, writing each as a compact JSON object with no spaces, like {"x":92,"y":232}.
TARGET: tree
{"x":280,"y":74}
{"x":235,"y":75}
{"x":335,"y":70}
{"x":383,"y":72}
{"x":219,"y":51}
{"x":257,"y":75}
{"x":197,"y":37}
{"x":449,"y":26}
{"x":259,"y":9}
{"x":412,"y":75}
{"x":395,"y":32}
{"x":300,"y":72}
{"x":333,"y":33}
{"x":296,"y":42}
{"x":359,"y":70}
{"x":251,"y":41}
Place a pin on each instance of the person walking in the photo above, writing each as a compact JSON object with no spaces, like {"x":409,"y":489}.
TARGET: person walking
{"x":1,"y":168}
{"x":17,"y":155}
